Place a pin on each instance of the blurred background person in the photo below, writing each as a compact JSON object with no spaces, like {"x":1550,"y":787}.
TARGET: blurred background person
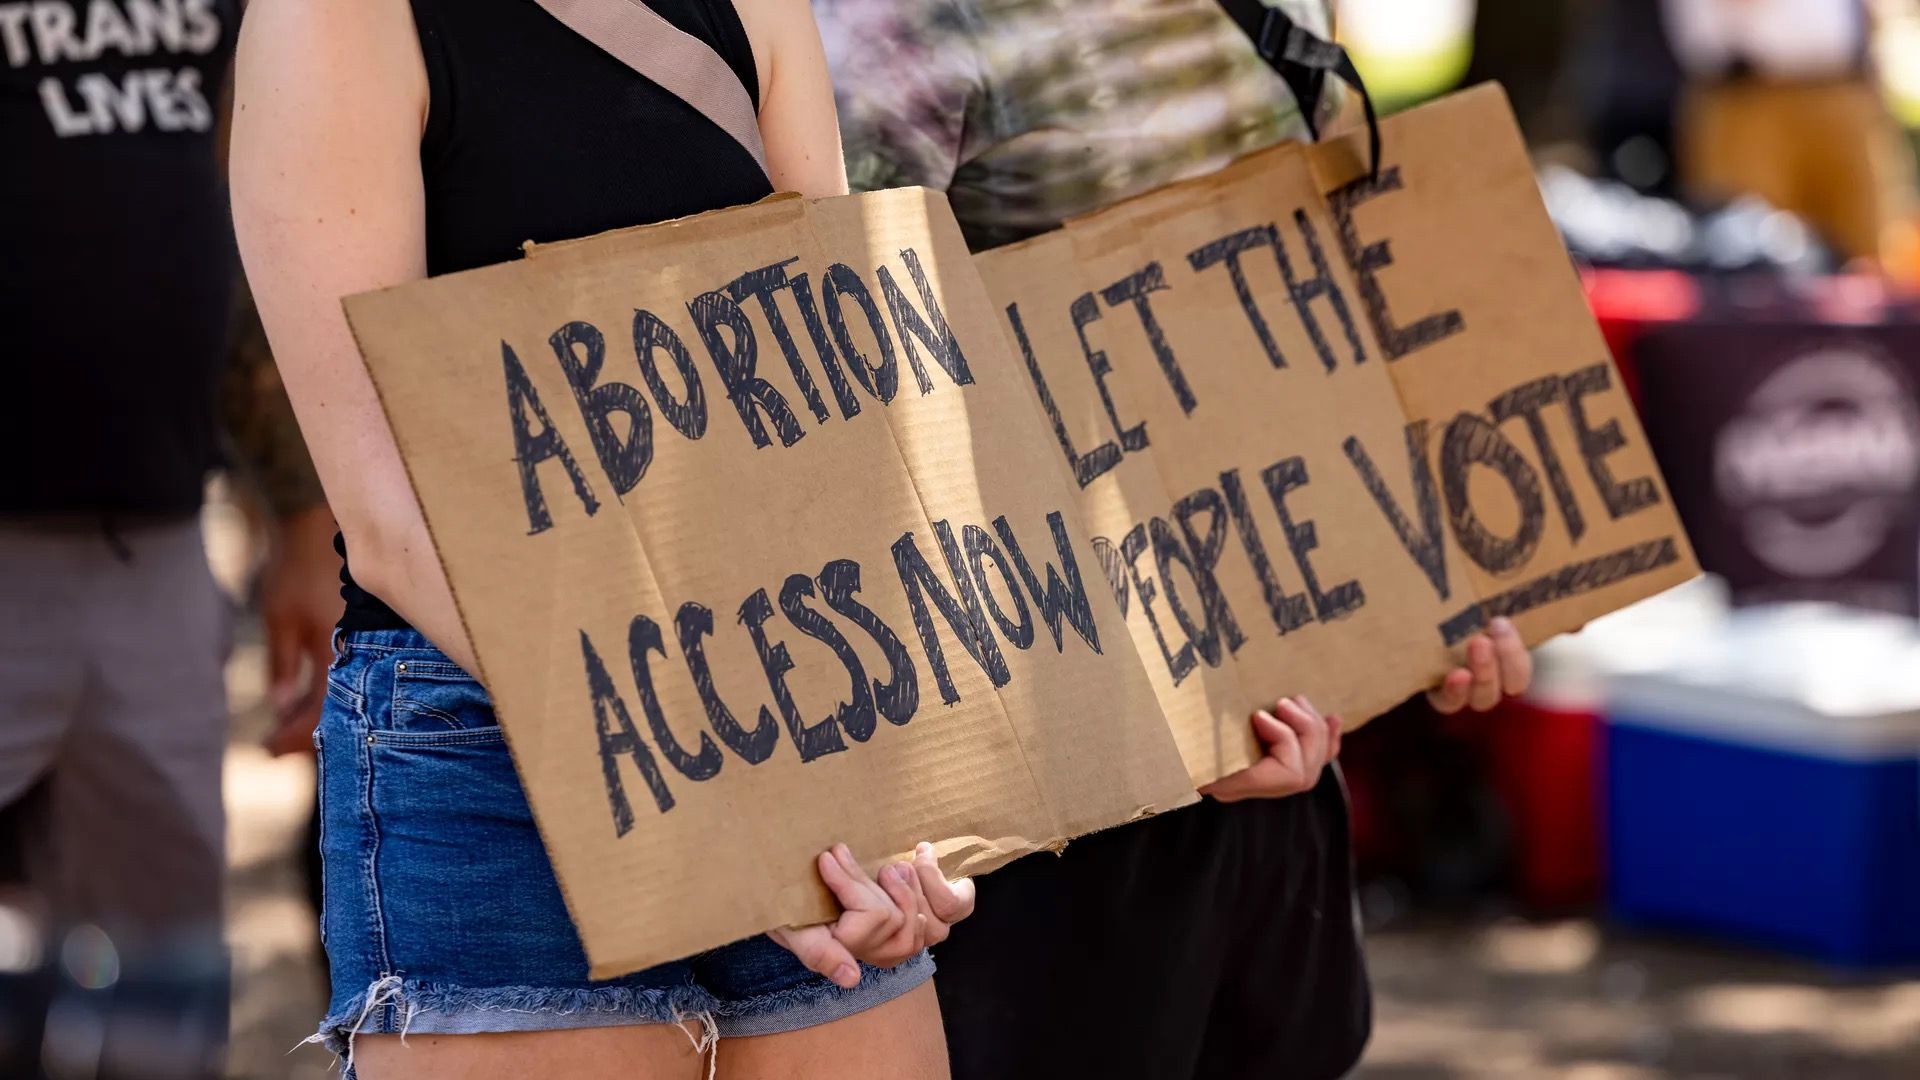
{"x":117,"y":277}
{"x":1781,"y":102}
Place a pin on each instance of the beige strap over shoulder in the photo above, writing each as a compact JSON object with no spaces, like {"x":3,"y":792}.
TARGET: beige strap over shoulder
{"x":683,"y":65}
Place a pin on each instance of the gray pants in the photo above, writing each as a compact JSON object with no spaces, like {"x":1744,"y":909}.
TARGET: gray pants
{"x":113,"y":723}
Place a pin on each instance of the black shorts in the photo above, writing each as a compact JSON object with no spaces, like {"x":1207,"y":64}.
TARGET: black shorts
{"x":1217,"y":942}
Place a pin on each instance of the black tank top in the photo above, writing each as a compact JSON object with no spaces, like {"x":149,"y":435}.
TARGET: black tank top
{"x":534,"y":133}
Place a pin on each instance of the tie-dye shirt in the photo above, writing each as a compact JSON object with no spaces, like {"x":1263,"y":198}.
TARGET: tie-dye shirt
{"x":1028,"y":112}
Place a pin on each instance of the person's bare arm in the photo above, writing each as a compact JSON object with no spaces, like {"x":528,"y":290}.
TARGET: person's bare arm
{"x":328,"y":105}
{"x":797,"y":118}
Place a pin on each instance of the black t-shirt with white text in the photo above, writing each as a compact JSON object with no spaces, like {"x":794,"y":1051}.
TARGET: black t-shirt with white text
{"x":116,"y":267}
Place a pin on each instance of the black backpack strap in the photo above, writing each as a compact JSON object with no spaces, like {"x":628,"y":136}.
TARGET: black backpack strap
{"x":1304,"y":61}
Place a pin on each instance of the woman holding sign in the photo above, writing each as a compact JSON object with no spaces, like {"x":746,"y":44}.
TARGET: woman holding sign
{"x":383,"y":141}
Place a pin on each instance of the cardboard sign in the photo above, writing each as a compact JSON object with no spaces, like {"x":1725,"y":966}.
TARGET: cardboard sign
{"x":754,"y":527}
{"x":1325,"y":426}
{"x":771,"y":529}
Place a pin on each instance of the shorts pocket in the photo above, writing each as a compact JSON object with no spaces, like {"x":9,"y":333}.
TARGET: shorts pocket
{"x":435,"y":698}
{"x":487,"y":736}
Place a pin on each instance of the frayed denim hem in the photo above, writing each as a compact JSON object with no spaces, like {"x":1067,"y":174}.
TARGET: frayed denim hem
{"x":395,"y":1005}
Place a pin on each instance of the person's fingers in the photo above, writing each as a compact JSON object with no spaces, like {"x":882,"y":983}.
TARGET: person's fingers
{"x":909,"y":934}
{"x":848,"y":882}
{"x":895,"y":880}
{"x":1336,"y":729}
{"x":932,"y":930}
{"x":1311,"y":731}
{"x":842,"y":884}
{"x":817,"y":949}
{"x":1485,"y":691}
{"x":870,"y":917}
{"x":1283,"y":742}
{"x":1516,"y":663}
{"x":1451,"y":695}
{"x":1265,"y":779}
{"x":948,"y":901}
{"x":918,"y":920}
{"x":1234,"y":788}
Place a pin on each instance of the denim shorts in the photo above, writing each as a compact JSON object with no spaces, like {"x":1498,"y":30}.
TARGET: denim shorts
{"x":441,"y":914}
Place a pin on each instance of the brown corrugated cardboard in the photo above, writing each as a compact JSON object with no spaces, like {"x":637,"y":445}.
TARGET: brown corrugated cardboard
{"x":792,"y":524}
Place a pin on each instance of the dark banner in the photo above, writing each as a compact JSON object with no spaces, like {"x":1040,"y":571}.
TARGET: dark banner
{"x":1792,"y":448}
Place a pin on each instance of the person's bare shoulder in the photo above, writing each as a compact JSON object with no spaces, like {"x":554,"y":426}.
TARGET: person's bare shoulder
{"x":287,"y":44}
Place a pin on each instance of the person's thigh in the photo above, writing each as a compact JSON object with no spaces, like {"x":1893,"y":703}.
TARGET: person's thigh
{"x":42,"y":666}
{"x":138,"y":788}
{"x":135,"y":821}
{"x":900,"y":1039}
{"x":637,"y":1052}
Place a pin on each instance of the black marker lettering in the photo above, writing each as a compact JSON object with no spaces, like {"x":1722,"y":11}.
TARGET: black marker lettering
{"x":1206,"y":550}
{"x":1302,"y":538}
{"x":1132,"y":546}
{"x":883,"y":381}
{"x":1114,"y":565}
{"x":691,"y":623}
{"x":1622,"y":498}
{"x":531,"y":448}
{"x":1228,"y":250}
{"x":1289,"y":611}
{"x":1167,"y":550}
{"x":1424,"y":542}
{"x":1321,"y":284}
{"x":1085,"y":311}
{"x":643,"y":637}
{"x":829,"y":361}
{"x":1470,"y":441}
{"x":736,"y":361}
{"x":1526,"y":401}
{"x":931,"y":329}
{"x":1573,"y":579}
{"x":856,"y":716}
{"x":963,"y":613}
{"x":618,"y":738}
{"x":899,"y":697}
{"x":1096,"y":461}
{"x":763,"y":284}
{"x":1064,"y":592}
{"x":812,"y":740}
{"x":1367,"y":262}
{"x":1137,"y":289}
{"x":688,"y":417}
{"x":625,"y":462}
{"x":980,"y":547}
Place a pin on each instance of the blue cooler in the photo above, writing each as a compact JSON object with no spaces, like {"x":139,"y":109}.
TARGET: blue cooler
{"x":1764,"y":787}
